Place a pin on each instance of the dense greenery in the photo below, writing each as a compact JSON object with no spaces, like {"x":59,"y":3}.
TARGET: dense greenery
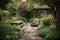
{"x":15,"y":10}
{"x":47,"y":28}
{"x":8,"y":14}
{"x":8,"y":31}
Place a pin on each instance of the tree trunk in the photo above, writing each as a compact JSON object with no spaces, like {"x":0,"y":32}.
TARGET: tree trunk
{"x":57,"y":18}
{"x":56,"y":14}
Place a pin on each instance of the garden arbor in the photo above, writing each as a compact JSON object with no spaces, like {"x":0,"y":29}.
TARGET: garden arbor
{"x":44,"y":9}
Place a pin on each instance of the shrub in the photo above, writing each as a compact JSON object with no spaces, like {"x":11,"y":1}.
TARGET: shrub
{"x":47,"y":28}
{"x":53,"y":35}
{"x":10,"y":32}
{"x":49,"y":34}
{"x":48,"y":20}
{"x":43,"y":32}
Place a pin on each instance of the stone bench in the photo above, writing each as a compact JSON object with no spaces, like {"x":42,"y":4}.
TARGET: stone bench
{"x":18,"y":23}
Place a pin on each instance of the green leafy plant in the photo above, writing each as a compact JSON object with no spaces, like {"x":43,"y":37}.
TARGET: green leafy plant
{"x":10,"y":32}
{"x":47,"y":28}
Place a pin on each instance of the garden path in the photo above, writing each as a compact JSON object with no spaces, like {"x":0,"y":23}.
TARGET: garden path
{"x":30,"y":33}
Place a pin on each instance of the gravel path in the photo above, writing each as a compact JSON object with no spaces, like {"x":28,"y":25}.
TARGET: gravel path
{"x":30,"y":33}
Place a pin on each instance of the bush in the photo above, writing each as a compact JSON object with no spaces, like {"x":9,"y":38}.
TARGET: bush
{"x":43,"y":32}
{"x":49,"y":34}
{"x":53,"y":35}
{"x":10,"y":32}
{"x":48,"y":20}
{"x":47,"y":28}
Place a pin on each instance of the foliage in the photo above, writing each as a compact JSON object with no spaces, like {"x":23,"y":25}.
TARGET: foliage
{"x":13,"y":7}
{"x":48,"y":20}
{"x":53,"y":35}
{"x":8,"y":32}
{"x":47,"y":28}
{"x":49,"y":34}
{"x":25,"y":10}
{"x":43,"y":21}
{"x":43,"y":32}
{"x":35,"y":13}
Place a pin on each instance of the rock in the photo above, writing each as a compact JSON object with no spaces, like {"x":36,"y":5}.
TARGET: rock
{"x":17,"y":23}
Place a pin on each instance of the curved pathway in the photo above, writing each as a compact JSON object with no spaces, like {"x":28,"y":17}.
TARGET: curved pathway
{"x":30,"y":33}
